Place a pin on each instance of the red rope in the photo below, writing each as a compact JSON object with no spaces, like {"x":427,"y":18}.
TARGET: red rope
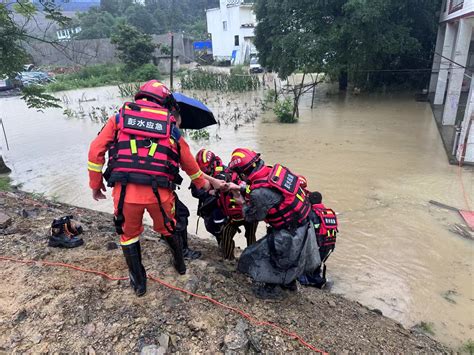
{"x":172,"y":287}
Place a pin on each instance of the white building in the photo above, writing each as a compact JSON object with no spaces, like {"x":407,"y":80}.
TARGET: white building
{"x":231,"y":26}
{"x":450,"y":77}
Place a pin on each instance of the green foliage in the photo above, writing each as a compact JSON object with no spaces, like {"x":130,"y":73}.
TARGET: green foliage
{"x":199,"y":134}
{"x":270,"y":96}
{"x":206,"y":80}
{"x":129,"y":89}
{"x":96,"y":24}
{"x":103,"y":74}
{"x":239,"y":70}
{"x":284,"y":111}
{"x":468,"y":347}
{"x":426,"y":327}
{"x":135,"y":48}
{"x":350,"y":36}
{"x":5,"y":183}
{"x":35,"y":97}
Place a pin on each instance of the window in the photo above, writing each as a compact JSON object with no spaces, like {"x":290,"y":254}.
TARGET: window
{"x":455,"y":5}
{"x":236,"y":40}
{"x":224,"y":25}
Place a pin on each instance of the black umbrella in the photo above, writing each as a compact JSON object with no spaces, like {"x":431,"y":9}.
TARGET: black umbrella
{"x":194,"y":114}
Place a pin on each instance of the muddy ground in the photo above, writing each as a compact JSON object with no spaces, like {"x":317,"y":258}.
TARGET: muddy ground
{"x":54,"y":309}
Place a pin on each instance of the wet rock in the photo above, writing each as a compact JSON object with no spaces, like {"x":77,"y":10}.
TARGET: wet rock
{"x":36,"y":338}
{"x":236,"y":339}
{"x":89,"y":329}
{"x":331,"y":303}
{"x":164,"y":340}
{"x":5,"y":220}
{"x":21,"y":316}
{"x":111,"y":246}
{"x":90,"y":350}
{"x":377,"y":311}
{"x":152,"y":350}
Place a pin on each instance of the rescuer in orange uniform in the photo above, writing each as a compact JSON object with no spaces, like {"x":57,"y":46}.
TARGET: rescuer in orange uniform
{"x":145,"y":151}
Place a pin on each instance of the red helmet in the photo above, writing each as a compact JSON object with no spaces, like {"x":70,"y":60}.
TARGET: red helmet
{"x":303,"y":182}
{"x":207,"y":161}
{"x":242,"y":159}
{"x":153,"y":89}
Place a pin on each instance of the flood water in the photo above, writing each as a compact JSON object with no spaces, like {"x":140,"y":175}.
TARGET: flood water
{"x":377,"y":160}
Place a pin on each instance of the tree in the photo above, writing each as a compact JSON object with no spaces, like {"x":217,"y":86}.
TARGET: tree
{"x":135,"y":48}
{"x":13,"y":37}
{"x":138,"y":16}
{"x":96,"y":23}
{"x":340,"y":36}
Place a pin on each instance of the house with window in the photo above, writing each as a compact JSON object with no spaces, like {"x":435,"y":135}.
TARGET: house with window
{"x":451,"y":85}
{"x":231,"y":26}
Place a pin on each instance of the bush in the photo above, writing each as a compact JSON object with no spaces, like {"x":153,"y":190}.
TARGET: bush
{"x":146,"y":72}
{"x":284,"y":111}
{"x":205,"y":80}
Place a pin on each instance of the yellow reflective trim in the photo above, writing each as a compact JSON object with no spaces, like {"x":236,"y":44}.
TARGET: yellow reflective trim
{"x":130,"y":241}
{"x":300,"y":198}
{"x":133,"y":146}
{"x":157,"y":84}
{"x":219,"y":168}
{"x":232,"y":200}
{"x":204,"y":156}
{"x":278,"y":171}
{"x":143,"y":109}
{"x":238,"y":154}
{"x":247,"y":189}
{"x":195,"y":176}
{"x":171,"y":141}
{"x":153,"y":149}
{"x":329,"y":233}
{"x":154,"y":111}
{"x":94,"y":169}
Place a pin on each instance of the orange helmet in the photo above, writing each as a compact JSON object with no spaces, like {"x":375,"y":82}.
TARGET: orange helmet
{"x":153,"y":89}
{"x":242,"y":159}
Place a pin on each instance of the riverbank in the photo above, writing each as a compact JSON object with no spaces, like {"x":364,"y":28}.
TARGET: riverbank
{"x":55,"y":309}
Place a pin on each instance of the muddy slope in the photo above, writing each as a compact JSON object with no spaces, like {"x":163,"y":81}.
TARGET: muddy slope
{"x":44,"y":308}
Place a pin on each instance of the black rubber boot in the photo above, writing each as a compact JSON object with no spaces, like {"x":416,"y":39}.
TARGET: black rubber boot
{"x":268,"y":292}
{"x":188,"y":253}
{"x":63,"y":241}
{"x":137,"y":273}
{"x":292,"y":286}
{"x":176,"y":246}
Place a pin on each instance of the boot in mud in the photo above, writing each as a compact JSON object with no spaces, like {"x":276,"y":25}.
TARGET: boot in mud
{"x":267,"y":291}
{"x":174,"y":242}
{"x":137,"y":273}
{"x":292,"y":286}
{"x":64,"y":233}
{"x":315,"y":279}
{"x":188,"y":253}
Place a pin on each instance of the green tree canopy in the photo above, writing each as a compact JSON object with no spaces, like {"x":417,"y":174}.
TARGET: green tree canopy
{"x":135,"y":47}
{"x":96,"y":24}
{"x":345,"y":35}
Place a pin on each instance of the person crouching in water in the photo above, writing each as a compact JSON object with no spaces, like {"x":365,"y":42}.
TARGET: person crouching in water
{"x":145,"y":153}
{"x":289,"y":249}
{"x":326,"y":227}
{"x":226,"y":207}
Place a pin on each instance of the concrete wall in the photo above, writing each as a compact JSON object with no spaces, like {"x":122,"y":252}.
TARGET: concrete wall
{"x":223,"y":40}
{"x":99,"y":51}
{"x":467,"y":8}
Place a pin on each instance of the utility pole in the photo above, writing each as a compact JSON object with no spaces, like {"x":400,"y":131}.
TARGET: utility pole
{"x":171,"y":62}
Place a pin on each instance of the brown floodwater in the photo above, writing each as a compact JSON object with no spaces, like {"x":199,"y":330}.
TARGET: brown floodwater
{"x":376,"y":159}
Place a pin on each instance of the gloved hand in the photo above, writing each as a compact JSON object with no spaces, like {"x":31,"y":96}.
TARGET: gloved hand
{"x":97,"y":194}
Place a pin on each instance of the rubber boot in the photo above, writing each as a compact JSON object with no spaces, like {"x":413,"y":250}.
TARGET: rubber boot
{"x":137,"y":273}
{"x":176,"y":246}
{"x":63,"y":241}
{"x":188,"y":253}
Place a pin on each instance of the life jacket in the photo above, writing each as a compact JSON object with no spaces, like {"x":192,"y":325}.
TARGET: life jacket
{"x":144,"y":150}
{"x":294,"y":207}
{"x":226,"y":201}
{"x":327,"y":230}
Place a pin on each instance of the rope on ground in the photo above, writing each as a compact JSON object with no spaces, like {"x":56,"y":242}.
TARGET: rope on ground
{"x":175,"y":288}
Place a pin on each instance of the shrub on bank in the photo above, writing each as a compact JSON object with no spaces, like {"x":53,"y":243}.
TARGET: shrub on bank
{"x":103,"y":74}
{"x":284,"y":111}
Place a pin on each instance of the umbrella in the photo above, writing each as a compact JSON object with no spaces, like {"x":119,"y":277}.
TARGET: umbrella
{"x":194,"y":114}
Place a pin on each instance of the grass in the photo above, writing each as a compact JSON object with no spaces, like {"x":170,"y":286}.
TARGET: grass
{"x":206,"y":80}
{"x":101,"y":75}
{"x":468,"y":347}
{"x":426,"y":327}
{"x":5,"y":183}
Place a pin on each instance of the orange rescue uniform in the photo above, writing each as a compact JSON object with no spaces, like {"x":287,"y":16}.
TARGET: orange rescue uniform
{"x":139,"y":197}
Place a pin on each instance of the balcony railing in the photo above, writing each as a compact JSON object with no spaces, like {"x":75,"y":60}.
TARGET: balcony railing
{"x":455,"y":5}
